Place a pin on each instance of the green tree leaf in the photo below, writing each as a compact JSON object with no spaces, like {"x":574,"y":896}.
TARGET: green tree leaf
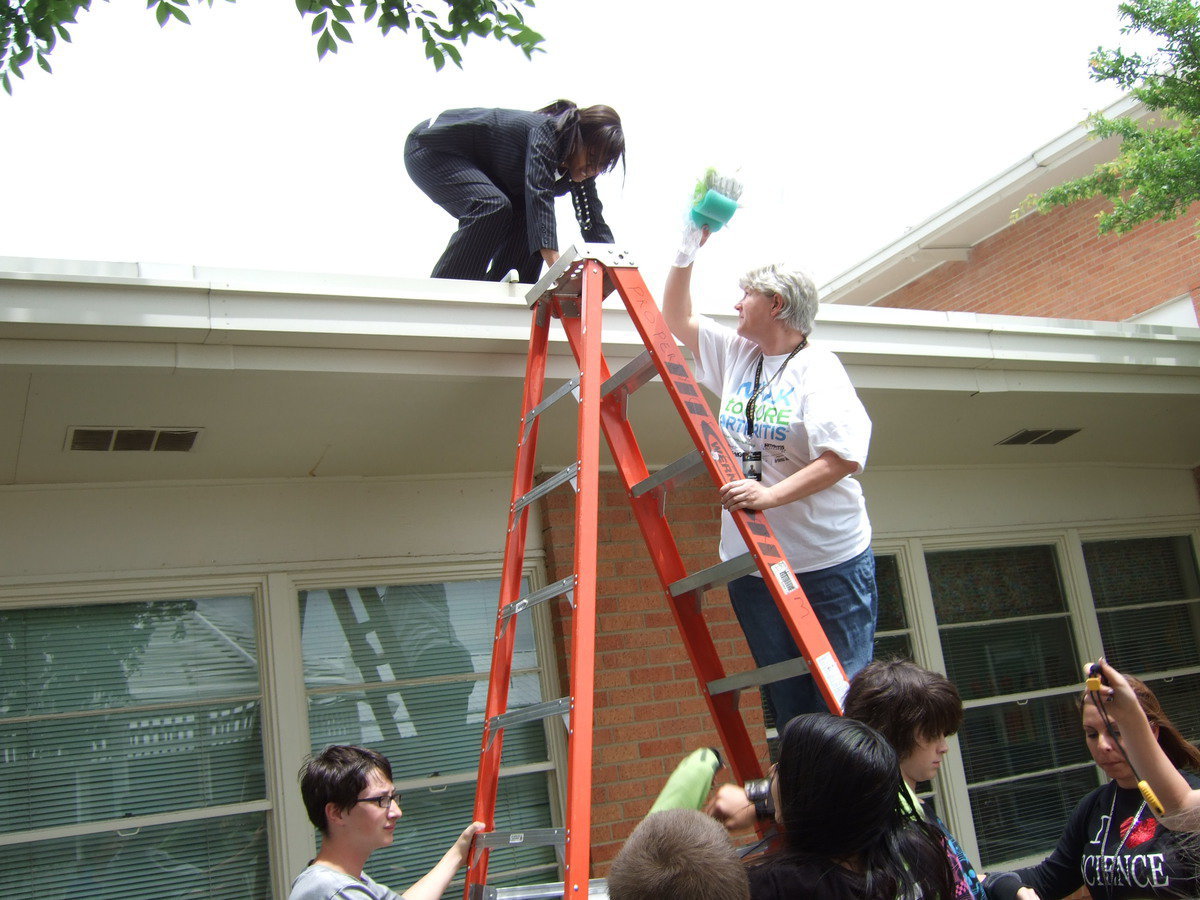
{"x":1156,"y":174}
{"x":30,"y":29}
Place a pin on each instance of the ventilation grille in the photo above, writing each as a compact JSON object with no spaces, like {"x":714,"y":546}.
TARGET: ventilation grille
{"x":1039,"y":436}
{"x":166,"y":440}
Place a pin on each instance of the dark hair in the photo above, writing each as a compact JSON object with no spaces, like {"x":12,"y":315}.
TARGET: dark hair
{"x":596,"y":127}
{"x":1182,"y":753}
{"x":901,"y":700}
{"x":336,"y":776}
{"x":840,"y":802}
{"x":678,"y":854}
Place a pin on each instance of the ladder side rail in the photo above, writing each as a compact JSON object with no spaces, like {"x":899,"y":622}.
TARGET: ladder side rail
{"x":720,"y":460}
{"x":583,"y":626}
{"x":487,"y":782}
{"x":668,"y":563}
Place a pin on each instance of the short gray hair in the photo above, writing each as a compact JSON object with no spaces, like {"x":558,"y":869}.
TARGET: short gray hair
{"x":796,"y":288}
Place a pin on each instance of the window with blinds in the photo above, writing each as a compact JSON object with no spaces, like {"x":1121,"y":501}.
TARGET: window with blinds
{"x":1147,"y":596}
{"x":1009,"y":646}
{"x":403,"y":669}
{"x":131,"y":759}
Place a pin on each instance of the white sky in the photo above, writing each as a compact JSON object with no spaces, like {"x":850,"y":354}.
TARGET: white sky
{"x":226,"y":143}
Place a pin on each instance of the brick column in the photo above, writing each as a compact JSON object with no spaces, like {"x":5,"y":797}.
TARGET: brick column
{"x":649,"y":709}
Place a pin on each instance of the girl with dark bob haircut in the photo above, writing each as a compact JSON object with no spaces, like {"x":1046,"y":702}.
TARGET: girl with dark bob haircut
{"x":846,"y":835}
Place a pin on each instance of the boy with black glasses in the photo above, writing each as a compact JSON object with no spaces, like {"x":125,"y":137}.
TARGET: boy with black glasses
{"x":350,"y":798}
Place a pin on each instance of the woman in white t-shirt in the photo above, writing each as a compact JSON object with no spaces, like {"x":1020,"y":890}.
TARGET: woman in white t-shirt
{"x":789,"y":410}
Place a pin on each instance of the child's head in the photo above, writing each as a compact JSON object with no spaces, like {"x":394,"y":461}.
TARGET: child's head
{"x":678,"y":854}
{"x":837,"y":785}
{"x":914,"y":708}
{"x":336,"y":776}
{"x":838,"y":795}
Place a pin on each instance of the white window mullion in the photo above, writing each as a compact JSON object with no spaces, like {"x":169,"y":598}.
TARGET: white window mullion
{"x":952,"y":790}
{"x":1079,"y":598}
{"x":285,"y":730}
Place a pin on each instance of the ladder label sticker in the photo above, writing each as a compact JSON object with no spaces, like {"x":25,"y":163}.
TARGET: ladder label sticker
{"x":783,"y":574}
{"x":834,"y":676}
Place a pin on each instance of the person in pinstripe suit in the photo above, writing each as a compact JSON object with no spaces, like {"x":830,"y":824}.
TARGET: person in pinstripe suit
{"x":498,"y":171}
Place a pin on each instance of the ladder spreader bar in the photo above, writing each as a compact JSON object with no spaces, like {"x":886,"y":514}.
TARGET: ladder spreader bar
{"x":597,"y":887}
{"x":565,"y":388}
{"x":541,"y":595}
{"x":683,"y":469}
{"x":789,"y":668}
{"x":530,"y":837}
{"x":547,"y":486}
{"x":715,"y":576}
{"x":631,"y":376}
{"x":532,"y":713}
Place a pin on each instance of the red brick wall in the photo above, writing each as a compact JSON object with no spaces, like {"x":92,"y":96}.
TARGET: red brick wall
{"x":649,"y":709}
{"x":1057,"y":265}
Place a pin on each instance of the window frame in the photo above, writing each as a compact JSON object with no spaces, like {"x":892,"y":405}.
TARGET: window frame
{"x":50,"y":593}
{"x":273,"y":589}
{"x":298,"y":739}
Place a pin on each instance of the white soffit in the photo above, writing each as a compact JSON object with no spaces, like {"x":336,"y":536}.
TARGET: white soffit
{"x":949,"y":235}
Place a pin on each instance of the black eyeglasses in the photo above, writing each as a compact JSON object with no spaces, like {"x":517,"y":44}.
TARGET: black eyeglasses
{"x":383,"y":801}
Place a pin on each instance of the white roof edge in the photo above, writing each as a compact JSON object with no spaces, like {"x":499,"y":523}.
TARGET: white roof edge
{"x":259,"y":281}
{"x":923,"y":236}
{"x":310,"y":290}
{"x":39,"y":318}
{"x":904,"y":317}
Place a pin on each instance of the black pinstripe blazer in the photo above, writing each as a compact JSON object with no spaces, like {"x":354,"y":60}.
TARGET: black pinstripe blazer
{"x":521,"y":152}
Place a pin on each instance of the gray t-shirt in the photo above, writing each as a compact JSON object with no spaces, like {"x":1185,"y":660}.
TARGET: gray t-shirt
{"x":319,"y":882}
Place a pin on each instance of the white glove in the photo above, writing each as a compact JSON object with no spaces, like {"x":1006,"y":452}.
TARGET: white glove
{"x":689,"y":243}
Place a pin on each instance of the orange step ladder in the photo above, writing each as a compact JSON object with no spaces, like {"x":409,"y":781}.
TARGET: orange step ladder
{"x":572,"y":291}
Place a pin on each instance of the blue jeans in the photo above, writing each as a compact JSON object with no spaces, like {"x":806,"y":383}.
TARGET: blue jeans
{"x":845,"y":599}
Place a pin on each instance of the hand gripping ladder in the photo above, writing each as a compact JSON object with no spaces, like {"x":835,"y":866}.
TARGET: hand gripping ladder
{"x":572,"y":292}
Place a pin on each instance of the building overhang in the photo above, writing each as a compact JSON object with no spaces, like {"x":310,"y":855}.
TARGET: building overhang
{"x":294,"y":374}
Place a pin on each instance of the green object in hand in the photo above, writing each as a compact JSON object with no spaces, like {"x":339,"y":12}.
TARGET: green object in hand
{"x":689,"y":784}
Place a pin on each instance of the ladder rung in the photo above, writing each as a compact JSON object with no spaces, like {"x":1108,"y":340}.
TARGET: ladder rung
{"x":541,"y":595}
{"x":597,"y":887}
{"x":547,"y":486}
{"x":631,"y":376}
{"x":531,"y":713}
{"x":715,"y":576}
{"x":561,"y":391}
{"x":789,"y":668}
{"x":683,"y":469}
{"x":530,"y":837}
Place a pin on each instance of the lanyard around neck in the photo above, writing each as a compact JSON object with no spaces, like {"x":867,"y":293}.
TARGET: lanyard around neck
{"x":759,"y":387}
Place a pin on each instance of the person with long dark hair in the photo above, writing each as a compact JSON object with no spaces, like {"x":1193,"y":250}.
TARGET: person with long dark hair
{"x":497,"y":171}
{"x":1113,"y":844}
{"x":1181,"y":800}
{"x":847,"y":833}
